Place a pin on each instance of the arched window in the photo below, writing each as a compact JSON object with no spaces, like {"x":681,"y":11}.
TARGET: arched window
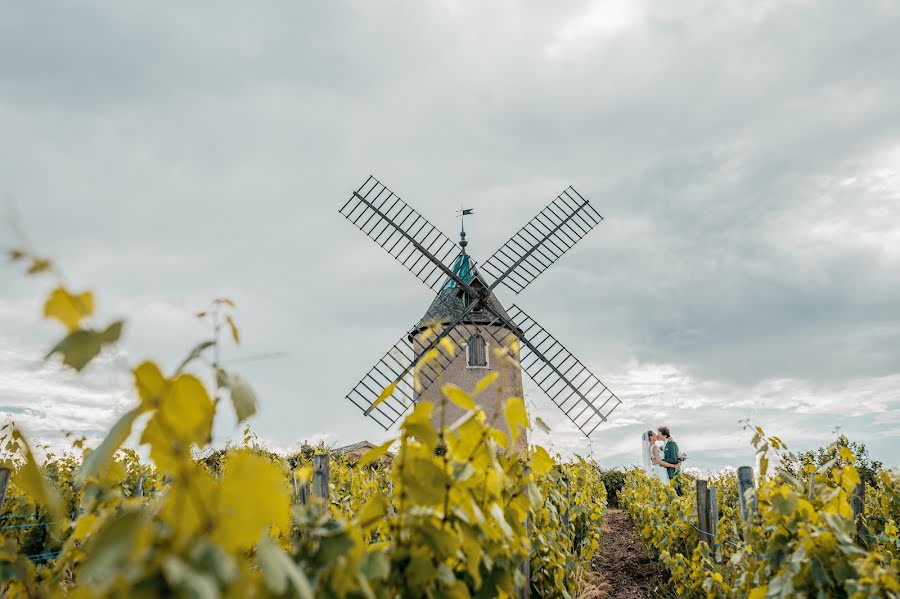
{"x":476,"y":353}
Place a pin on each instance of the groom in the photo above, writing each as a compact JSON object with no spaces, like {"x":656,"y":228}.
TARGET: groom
{"x":669,"y":459}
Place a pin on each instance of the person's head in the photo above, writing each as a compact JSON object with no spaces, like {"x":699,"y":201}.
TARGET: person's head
{"x":663,"y":432}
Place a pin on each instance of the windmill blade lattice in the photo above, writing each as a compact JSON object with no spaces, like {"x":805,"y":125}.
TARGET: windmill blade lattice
{"x":387,"y":370}
{"x":397,"y":366}
{"x":567,"y":382}
{"x":384,"y":217}
{"x":541,"y":242}
{"x":426,"y":252}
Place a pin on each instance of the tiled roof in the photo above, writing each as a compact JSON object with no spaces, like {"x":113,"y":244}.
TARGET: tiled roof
{"x":450,"y":301}
{"x":355,"y":447}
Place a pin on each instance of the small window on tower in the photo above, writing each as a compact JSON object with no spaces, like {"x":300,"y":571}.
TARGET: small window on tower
{"x":476,"y":352}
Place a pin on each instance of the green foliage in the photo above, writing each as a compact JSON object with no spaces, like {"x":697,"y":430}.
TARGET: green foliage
{"x":800,"y":543}
{"x":227,"y":523}
{"x":613,"y":481}
{"x":869,"y":469}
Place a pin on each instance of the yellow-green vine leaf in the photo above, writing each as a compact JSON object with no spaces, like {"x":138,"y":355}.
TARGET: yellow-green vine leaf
{"x":458,"y":396}
{"x":242,"y":396}
{"x":387,"y":392}
{"x":500,"y":519}
{"x":759,"y":592}
{"x":32,"y":480}
{"x":484,"y":383}
{"x":187,"y":409}
{"x":105,"y":451}
{"x":111,"y":333}
{"x":254,"y":496}
{"x":541,"y":424}
{"x":375,"y":453}
{"x":150,"y":383}
{"x":80,"y":347}
{"x":84,"y":527}
{"x":39,"y":265}
{"x":189,"y":581}
{"x":279,"y":571}
{"x":375,"y":565}
{"x":111,"y":548}
{"x":418,"y":424}
{"x":373,"y":511}
{"x":235,"y":335}
{"x":516,"y":416}
{"x":541,"y":462}
{"x":448,"y":346}
{"x":68,"y":308}
{"x":303,"y":474}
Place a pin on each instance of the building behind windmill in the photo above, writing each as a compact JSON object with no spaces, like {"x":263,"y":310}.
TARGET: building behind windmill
{"x":478,"y":357}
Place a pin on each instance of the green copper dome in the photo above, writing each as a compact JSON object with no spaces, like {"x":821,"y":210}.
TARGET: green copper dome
{"x":462,"y":268}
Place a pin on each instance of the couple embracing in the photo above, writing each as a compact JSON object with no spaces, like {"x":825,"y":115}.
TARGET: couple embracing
{"x":665,"y":457}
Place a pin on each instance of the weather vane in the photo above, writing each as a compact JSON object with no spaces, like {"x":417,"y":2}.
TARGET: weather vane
{"x":461,"y":214}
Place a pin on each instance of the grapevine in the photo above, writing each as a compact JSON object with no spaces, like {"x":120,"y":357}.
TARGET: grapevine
{"x":452,"y":512}
{"x":799,"y":541}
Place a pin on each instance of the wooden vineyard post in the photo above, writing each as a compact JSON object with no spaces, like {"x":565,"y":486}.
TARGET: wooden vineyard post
{"x":301,"y":489}
{"x":713,"y":507}
{"x":858,"y":502}
{"x":568,"y":500}
{"x":140,"y":487}
{"x":524,"y":591}
{"x":703,"y":518}
{"x":320,"y":477}
{"x":303,"y":493}
{"x":745,"y":483}
{"x":4,"y":481}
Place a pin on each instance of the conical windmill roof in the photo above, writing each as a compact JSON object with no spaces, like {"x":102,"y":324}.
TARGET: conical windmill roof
{"x":450,"y":302}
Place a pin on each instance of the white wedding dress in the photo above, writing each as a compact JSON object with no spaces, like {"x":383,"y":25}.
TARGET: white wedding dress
{"x":650,"y":468}
{"x":659,"y":471}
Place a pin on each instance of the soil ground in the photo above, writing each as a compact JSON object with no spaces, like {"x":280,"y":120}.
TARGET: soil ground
{"x":623,"y":561}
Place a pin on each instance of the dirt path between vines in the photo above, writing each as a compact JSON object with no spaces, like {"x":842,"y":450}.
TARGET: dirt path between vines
{"x":624,"y":563}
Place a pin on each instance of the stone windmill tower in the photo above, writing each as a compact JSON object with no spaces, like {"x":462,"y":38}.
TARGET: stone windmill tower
{"x":479,"y":332}
{"x":467,"y":316}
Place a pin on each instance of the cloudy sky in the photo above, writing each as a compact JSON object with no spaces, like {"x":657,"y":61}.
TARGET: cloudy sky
{"x":746,"y":158}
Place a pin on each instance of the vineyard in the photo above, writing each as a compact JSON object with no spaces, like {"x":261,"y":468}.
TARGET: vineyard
{"x":799,"y":537}
{"x":453,"y":511}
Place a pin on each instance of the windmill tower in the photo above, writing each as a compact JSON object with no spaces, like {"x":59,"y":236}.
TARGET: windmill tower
{"x":466,"y":308}
{"x":479,"y":332}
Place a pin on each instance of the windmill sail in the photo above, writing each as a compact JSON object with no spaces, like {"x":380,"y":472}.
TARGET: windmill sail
{"x":553,"y":232}
{"x":466,"y":304}
{"x":451,"y":323}
{"x":390,"y":368}
{"x":397,"y":366}
{"x":401,"y":231}
{"x":567,"y":382}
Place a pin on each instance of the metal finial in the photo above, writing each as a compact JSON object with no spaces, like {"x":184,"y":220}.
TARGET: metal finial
{"x":463,"y":212}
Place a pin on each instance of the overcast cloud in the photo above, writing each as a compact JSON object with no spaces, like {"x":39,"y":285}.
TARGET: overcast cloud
{"x":746,"y":158}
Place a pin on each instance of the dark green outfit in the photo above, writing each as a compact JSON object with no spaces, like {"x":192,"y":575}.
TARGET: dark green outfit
{"x":670,"y":455}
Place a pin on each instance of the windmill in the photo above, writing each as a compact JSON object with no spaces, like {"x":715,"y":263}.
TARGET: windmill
{"x":467,"y":311}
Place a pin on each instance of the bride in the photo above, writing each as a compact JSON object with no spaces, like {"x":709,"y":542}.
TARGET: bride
{"x":653,"y":444}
